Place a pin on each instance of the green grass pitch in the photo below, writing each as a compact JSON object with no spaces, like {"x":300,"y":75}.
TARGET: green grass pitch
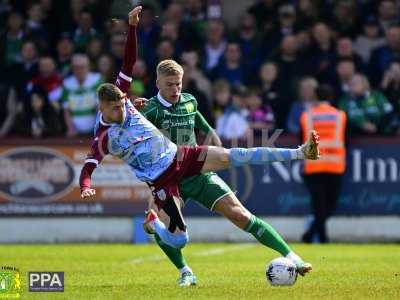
{"x":224,"y":271}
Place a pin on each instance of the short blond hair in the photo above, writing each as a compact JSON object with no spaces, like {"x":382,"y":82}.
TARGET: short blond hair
{"x":311,"y":81}
{"x":169,"y":67}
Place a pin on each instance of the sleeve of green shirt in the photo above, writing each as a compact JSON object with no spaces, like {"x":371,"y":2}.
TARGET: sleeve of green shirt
{"x":201,"y":123}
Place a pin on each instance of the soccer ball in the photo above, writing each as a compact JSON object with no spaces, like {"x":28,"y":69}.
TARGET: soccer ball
{"x":281,"y":271}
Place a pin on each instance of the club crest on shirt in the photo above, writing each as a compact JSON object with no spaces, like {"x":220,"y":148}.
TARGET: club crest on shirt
{"x":189,"y":107}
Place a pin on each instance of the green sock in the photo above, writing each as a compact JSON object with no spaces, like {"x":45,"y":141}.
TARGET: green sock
{"x":174,"y":254}
{"x":267,"y":235}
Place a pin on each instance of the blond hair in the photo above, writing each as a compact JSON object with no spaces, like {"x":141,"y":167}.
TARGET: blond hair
{"x":169,"y":67}
{"x":310,"y":80}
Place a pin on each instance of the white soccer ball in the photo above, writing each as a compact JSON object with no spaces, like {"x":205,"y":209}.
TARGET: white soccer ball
{"x":281,"y":271}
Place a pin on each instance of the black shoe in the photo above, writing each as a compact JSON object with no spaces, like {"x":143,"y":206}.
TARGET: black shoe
{"x":307,"y":238}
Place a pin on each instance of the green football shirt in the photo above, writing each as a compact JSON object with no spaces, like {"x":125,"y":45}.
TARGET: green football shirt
{"x":177,"y":121}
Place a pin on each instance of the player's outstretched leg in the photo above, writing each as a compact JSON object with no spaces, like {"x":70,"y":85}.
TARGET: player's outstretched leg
{"x":220,"y":158}
{"x":262,"y":155}
{"x":232,"y":209}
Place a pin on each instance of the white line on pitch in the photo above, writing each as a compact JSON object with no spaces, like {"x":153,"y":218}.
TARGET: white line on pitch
{"x":214,"y":251}
{"x":219,"y":251}
{"x":140,"y":260}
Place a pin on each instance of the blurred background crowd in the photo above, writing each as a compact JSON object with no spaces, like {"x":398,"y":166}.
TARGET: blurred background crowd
{"x":258,"y":71}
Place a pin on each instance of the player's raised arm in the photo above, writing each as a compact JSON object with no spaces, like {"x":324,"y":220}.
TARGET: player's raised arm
{"x":202,"y":124}
{"x":99,"y":150}
{"x":130,"y":54}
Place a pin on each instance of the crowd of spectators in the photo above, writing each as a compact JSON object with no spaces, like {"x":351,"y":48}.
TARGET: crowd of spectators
{"x":260,"y":74}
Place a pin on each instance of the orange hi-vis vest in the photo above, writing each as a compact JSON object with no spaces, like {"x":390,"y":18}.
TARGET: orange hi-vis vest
{"x":330,"y":123}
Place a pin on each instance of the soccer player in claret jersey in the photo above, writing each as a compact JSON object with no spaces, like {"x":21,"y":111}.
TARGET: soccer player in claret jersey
{"x":176,"y":114}
{"x":123,"y":132}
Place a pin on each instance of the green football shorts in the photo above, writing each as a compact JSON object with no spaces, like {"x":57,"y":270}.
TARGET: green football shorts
{"x":205,"y":189}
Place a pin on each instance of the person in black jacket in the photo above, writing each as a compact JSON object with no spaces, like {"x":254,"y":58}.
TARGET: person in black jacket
{"x":39,"y":120}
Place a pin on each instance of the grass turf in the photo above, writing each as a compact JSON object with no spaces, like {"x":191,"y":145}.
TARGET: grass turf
{"x":224,"y":271}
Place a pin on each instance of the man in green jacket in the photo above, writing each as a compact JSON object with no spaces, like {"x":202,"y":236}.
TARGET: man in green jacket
{"x":368,"y":112}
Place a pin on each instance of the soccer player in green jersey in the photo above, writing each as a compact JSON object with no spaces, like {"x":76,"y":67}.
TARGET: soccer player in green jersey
{"x":177,"y":115}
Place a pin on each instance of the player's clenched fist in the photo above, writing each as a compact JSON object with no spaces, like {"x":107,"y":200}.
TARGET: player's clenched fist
{"x":133,"y":16}
{"x":88,"y":193}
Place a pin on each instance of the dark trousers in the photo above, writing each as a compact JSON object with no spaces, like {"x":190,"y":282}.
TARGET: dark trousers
{"x":324,"y":189}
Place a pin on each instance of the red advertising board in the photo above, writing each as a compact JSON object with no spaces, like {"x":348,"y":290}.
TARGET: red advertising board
{"x":38,"y":180}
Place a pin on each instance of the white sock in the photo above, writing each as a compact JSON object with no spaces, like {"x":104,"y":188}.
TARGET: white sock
{"x":294,"y":257}
{"x":300,"y":153}
{"x":157,"y":225}
{"x":185,"y":269}
{"x":152,"y":224}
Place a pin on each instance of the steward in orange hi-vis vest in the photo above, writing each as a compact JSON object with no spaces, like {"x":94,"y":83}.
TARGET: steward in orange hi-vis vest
{"x":330,"y":123}
{"x":323,"y":178}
